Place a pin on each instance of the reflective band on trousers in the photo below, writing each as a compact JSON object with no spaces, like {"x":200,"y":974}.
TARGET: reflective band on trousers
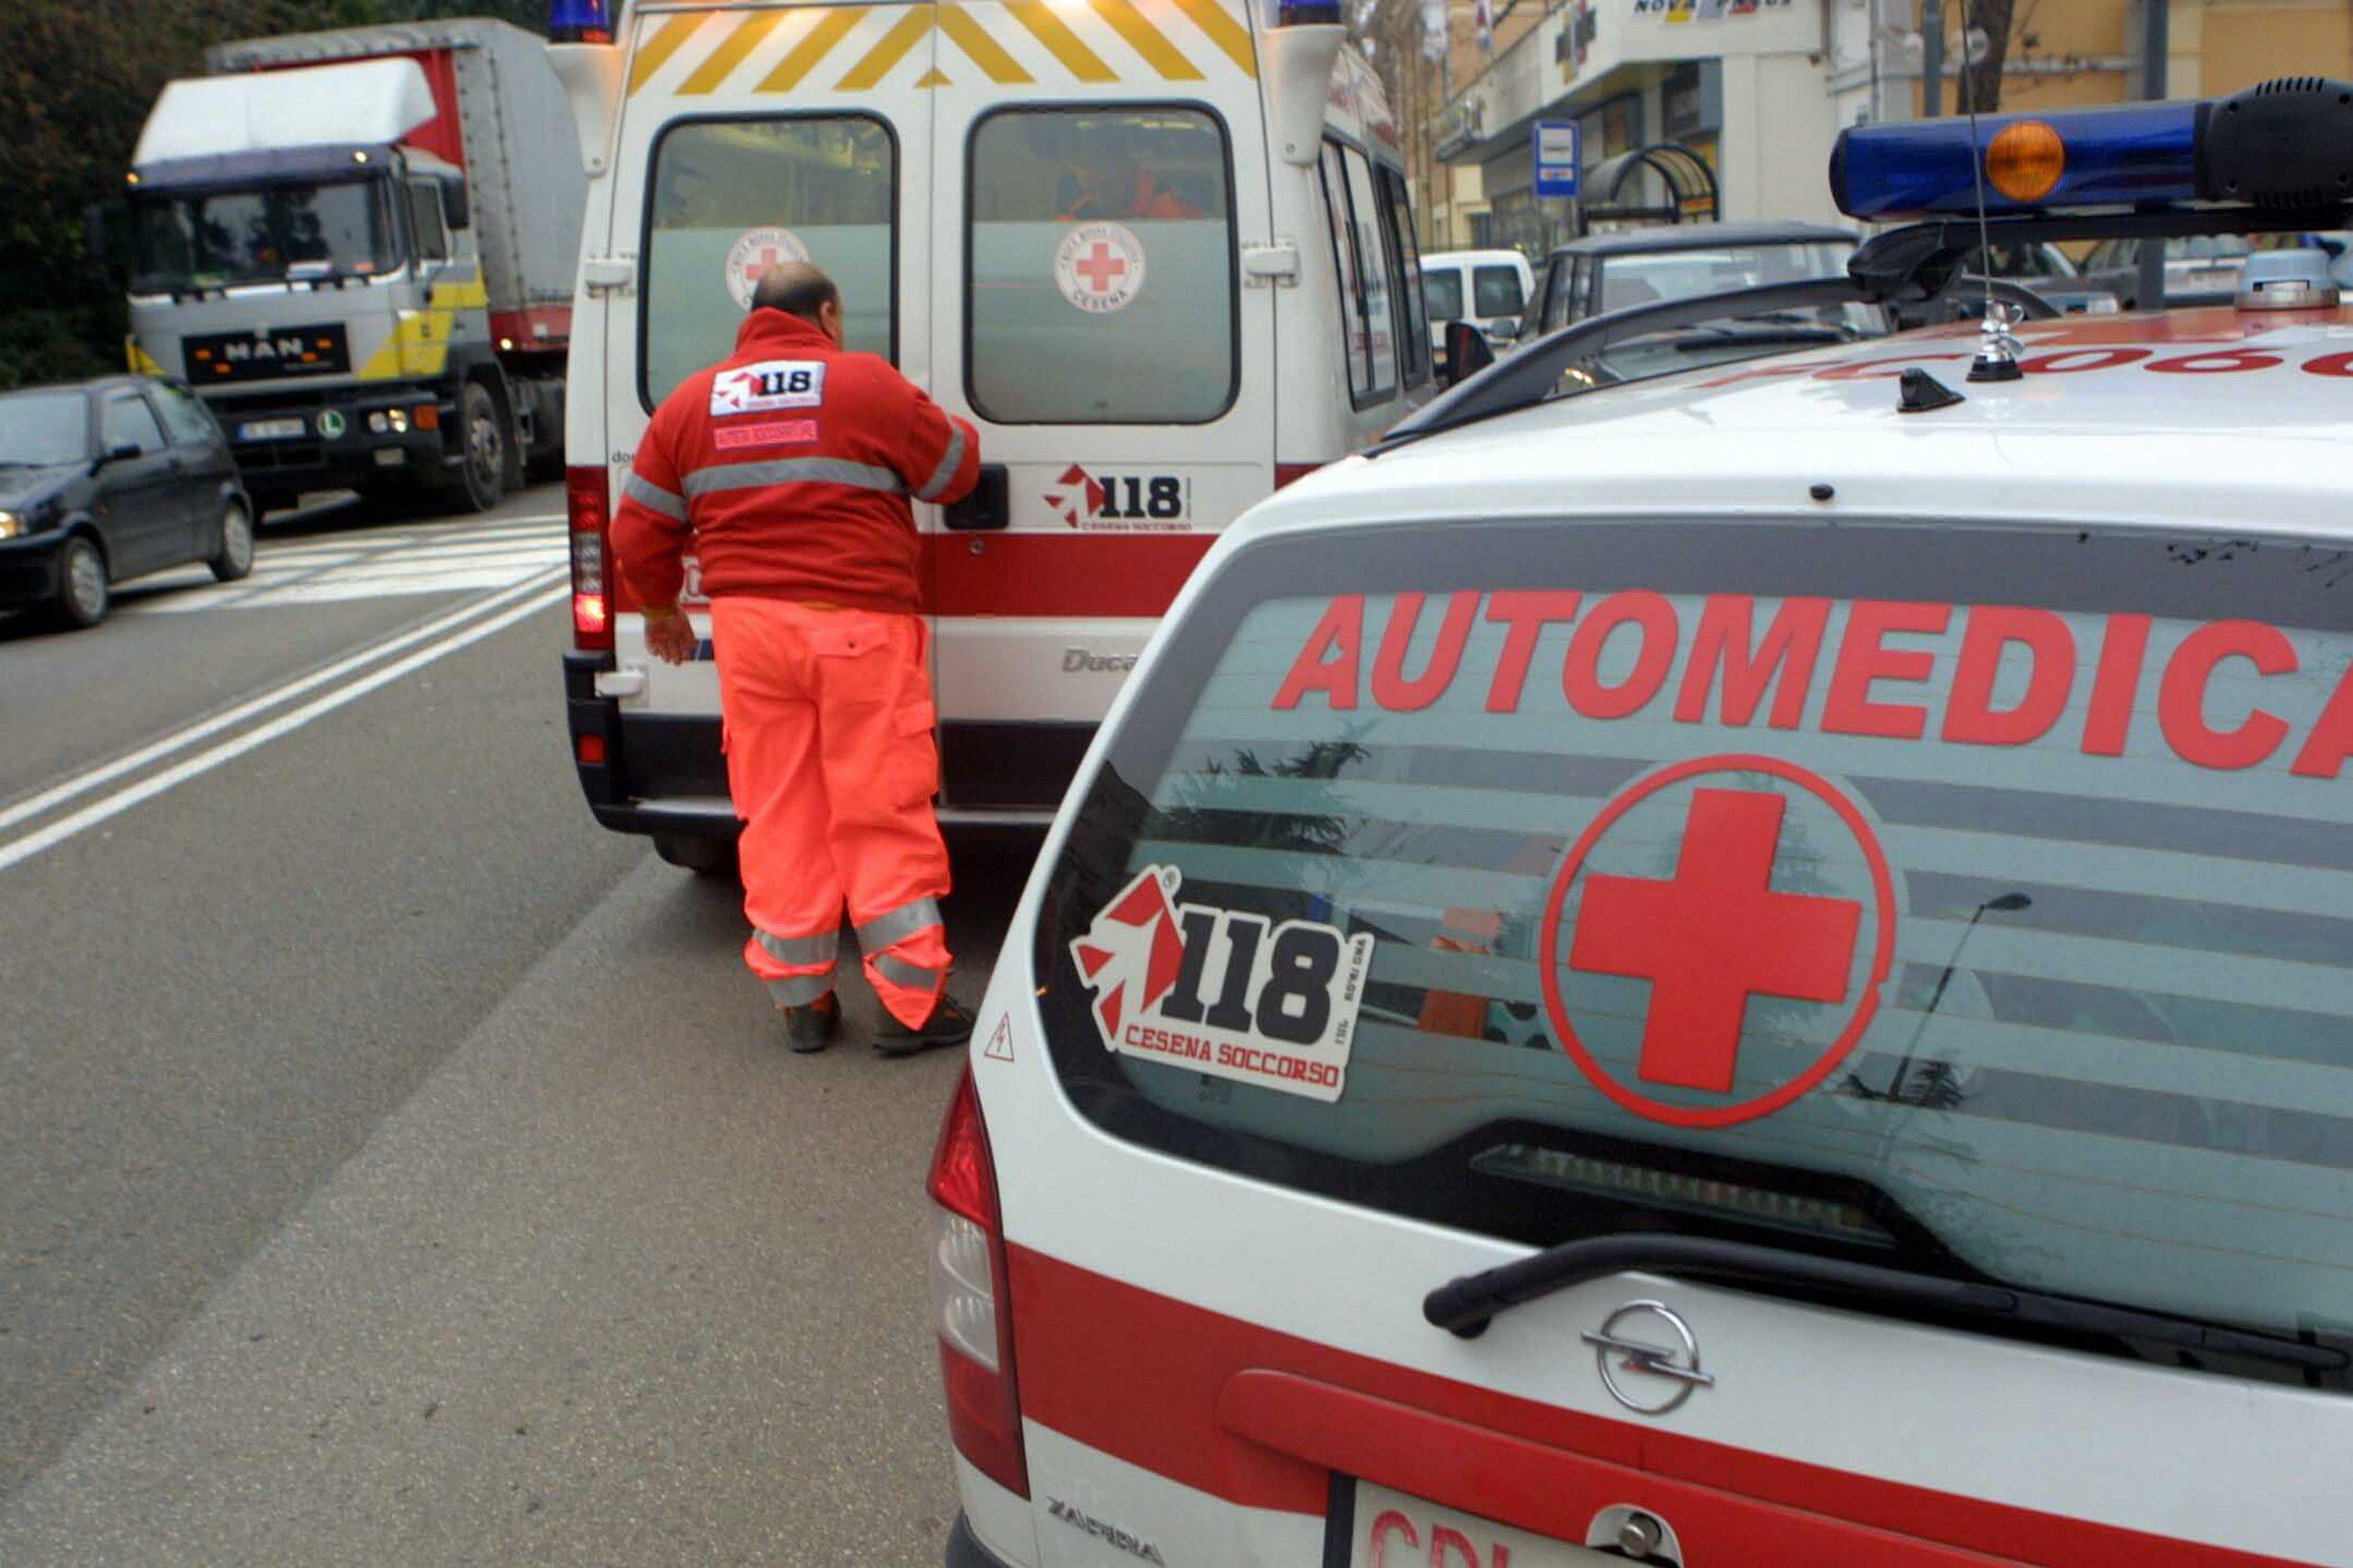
{"x":820,"y":949}
{"x":792,"y":471}
{"x":898,"y":925}
{"x":900,"y":972}
{"x":948,"y":465}
{"x":799,"y":991}
{"x":653,"y":498}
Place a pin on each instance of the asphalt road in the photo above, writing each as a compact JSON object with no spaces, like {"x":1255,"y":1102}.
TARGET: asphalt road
{"x":396,"y":1168}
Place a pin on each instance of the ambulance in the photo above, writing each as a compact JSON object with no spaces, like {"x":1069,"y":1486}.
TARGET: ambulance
{"x":1159,"y":251}
{"x":1745,"y":968}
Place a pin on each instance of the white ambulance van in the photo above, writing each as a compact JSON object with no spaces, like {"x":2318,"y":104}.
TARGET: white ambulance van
{"x":1751,"y":968}
{"x":1159,"y":251}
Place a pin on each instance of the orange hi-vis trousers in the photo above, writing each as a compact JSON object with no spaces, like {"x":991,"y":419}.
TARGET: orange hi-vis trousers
{"x":832,"y":764}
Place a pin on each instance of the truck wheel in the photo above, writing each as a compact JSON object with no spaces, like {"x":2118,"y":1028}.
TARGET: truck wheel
{"x":480,"y":480}
{"x":712,"y":858}
{"x":234,"y":559}
{"x":83,"y":595}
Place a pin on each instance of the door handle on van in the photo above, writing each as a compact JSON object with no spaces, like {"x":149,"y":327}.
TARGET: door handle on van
{"x":989,"y":506}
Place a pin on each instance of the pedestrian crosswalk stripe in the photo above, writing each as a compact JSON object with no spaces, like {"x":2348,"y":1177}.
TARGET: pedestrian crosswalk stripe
{"x":374,"y":564}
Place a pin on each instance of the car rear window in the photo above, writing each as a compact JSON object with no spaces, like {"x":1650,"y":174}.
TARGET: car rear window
{"x":1441,"y":294}
{"x":1970,"y":897}
{"x":1495,"y":291}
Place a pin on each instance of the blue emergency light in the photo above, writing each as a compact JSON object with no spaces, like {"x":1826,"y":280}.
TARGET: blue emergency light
{"x":2282,"y":144}
{"x":579,"y":22}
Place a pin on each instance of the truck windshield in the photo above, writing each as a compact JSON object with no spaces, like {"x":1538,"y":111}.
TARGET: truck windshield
{"x":1974,"y":901}
{"x":42,"y":427}
{"x":218,"y":239}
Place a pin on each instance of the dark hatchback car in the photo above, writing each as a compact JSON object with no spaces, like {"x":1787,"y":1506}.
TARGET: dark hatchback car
{"x":112,"y":479}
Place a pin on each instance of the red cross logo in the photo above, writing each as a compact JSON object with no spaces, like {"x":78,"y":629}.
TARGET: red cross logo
{"x":769,"y":259}
{"x":1715,"y":935}
{"x":1101,"y":268}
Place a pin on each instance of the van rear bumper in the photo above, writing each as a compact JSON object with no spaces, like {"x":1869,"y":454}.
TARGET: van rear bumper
{"x":965,"y":1550}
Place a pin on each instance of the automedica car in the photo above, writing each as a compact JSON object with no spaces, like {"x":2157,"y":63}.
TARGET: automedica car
{"x":108,"y":480}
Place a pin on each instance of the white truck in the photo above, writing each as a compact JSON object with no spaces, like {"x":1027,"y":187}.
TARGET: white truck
{"x":359,"y":248}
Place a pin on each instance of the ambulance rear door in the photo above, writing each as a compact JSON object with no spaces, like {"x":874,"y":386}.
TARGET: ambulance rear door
{"x":752,"y":136}
{"x":1098,"y":167}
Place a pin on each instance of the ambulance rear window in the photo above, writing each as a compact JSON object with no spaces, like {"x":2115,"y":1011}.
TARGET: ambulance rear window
{"x":1971,"y":898}
{"x":1101,"y":267}
{"x":728,"y":198}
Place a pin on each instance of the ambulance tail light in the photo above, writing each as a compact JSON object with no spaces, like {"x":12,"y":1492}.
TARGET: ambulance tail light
{"x":969,"y":1290}
{"x":1291,"y":474}
{"x":2283,"y":144}
{"x":587,"y":502}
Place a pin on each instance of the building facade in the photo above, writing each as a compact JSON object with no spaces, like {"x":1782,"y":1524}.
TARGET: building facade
{"x":1760,"y":88}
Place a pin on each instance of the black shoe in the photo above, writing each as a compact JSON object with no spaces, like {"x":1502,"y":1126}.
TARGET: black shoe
{"x":809,"y":1029}
{"x":949,"y":1025}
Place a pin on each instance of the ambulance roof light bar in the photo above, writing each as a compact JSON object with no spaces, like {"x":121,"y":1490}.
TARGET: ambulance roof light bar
{"x":2281,"y":144}
{"x":579,"y":22}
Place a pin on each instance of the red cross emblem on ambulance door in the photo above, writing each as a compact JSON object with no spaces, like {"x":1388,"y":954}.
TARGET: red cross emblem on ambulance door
{"x":1100,"y":267}
{"x":1715,"y":933}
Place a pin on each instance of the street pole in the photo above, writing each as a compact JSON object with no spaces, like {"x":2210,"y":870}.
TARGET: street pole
{"x":2155,"y":15}
{"x":1932,"y":58}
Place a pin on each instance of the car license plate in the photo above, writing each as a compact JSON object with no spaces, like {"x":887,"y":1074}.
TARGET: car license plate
{"x":1393,"y":1530}
{"x":271,"y":430}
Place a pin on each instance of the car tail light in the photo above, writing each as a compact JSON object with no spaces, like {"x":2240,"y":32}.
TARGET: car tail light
{"x":1291,"y":474}
{"x":969,"y":1288}
{"x":587,"y":499}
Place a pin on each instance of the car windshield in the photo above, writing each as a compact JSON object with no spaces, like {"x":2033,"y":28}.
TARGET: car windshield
{"x":216,"y":239}
{"x":1441,"y":294}
{"x":2040,"y":831}
{"x":44,"y":427}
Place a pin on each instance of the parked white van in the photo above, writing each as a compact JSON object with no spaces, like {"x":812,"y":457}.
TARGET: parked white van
{"x":1491,"y":289}
{"x":1107,"y":234}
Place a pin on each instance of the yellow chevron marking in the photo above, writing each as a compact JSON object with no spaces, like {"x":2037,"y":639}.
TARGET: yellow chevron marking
{"x":1224,"y":32}
{"x":911,"y":29}
{"x":934,"y":78}
{"x":832,"y":27}
{"x":1146,"y":40}
{"x":141,"y":363}
{"x":1060,"y":41}
{"x":747,"y":36}
{"x":655,"y":53}
{"x":986,"y":52}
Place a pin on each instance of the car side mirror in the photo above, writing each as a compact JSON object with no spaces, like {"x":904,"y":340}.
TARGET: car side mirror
{"x":456,"y":207}
{"x":121,"y":452}
{"x":1507,"y":326}
{"x":1467,"y":351}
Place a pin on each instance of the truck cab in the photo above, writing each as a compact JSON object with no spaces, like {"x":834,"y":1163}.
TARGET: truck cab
{"x":330,"y":243}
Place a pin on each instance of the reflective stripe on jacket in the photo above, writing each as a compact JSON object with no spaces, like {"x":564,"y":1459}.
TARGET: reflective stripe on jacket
{"x":788,"y":470}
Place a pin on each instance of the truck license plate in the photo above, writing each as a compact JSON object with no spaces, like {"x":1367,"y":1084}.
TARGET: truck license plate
{"x":271,"y":430}
{"x":1392,"y":1530}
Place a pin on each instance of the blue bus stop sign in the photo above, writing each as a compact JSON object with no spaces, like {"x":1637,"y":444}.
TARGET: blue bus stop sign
{"x":1556,"y":158}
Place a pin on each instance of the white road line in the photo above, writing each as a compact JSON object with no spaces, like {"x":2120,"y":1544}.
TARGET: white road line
{"x":285,"y":724}
{"x":81,"y":783}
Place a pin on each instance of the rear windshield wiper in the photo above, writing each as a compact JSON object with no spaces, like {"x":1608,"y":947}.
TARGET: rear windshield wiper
{"x":1465,"y":1305}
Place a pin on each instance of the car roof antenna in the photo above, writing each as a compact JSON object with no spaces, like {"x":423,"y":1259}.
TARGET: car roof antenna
{"x":1997,"y":346}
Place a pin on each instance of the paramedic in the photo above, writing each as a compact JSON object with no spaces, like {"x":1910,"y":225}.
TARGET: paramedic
{"x":1109,"y":185}
{"x":787,"y":469}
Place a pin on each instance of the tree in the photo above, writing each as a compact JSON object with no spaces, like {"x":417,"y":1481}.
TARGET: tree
{"x":78,"y":76}
{"x":1983,"y":77}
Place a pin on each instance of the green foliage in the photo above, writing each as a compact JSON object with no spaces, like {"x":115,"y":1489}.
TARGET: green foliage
{"x":78,"y":76}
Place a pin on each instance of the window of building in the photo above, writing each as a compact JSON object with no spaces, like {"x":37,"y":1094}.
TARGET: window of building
{"x":730,"y":198}
{"x":1100,"y":250}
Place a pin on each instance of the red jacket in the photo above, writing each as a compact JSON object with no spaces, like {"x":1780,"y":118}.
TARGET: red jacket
{"x":788,"y":470}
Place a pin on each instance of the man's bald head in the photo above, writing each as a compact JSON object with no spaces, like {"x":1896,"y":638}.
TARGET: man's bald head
{"x":797,"y":288}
